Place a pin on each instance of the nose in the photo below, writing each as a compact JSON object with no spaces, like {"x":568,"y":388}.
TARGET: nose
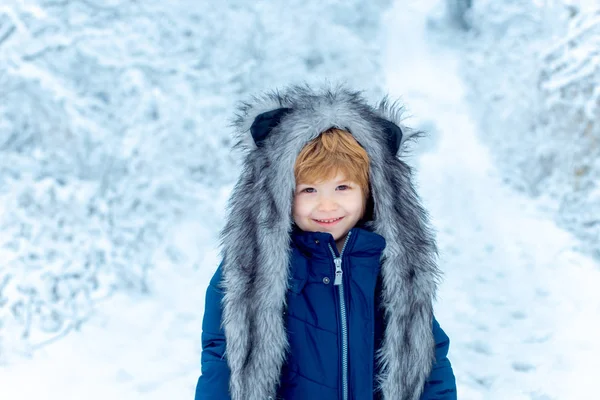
{"x":327,"y":204}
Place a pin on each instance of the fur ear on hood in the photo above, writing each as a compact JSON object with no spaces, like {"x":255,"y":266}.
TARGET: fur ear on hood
{"x":256,"y":118}
{"x":256,"y":238}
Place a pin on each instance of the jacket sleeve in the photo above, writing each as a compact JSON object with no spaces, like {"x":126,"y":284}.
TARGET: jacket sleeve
{"x":441,"y":384}
{"x":214,"y":381}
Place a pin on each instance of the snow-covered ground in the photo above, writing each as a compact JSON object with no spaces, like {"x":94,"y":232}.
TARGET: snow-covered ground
{"x":517,"y":302}
{"x":133,"y":347}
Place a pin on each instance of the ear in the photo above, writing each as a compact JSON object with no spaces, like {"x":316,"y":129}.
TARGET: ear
{"x":393,"y":133}
{"x":391,"y":116}
{"x":264,"y":123}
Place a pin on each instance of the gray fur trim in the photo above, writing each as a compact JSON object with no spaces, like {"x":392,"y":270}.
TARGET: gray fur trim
{"x":255,"y":243}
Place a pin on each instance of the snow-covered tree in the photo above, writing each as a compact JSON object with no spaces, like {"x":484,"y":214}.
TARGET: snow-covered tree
{"x":569,"y":84}
{"x":114,"y":121}
{"x":458,"y":12}
{"x":535,"y":68}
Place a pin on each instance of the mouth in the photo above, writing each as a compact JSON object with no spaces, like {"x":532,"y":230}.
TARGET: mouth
{"x":328,"y":222}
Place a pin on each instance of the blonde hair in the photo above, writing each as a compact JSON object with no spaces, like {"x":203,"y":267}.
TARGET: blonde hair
{"x":333,"y":151}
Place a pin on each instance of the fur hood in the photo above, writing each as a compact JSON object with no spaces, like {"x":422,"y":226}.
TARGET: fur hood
{"x":272,"y":130}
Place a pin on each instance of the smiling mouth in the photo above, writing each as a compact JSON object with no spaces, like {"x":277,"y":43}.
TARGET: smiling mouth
{"x":328,"y":222}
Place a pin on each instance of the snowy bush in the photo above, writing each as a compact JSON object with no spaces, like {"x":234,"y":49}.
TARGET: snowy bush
{"x":113,"y":122}
{"x":534,"y":69}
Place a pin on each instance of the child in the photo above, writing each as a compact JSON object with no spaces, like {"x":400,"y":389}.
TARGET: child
{"x":328,"y":274}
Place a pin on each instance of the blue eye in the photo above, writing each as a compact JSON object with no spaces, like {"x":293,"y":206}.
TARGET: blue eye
{"x":343,"y":187}
{"x":308,"y":190}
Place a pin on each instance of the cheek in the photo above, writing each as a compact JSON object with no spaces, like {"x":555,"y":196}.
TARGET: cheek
{"x":359,"y":205}
{"x":301,"y":207}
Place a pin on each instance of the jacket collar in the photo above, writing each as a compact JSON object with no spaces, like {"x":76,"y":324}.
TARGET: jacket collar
{"x":316,"y":244}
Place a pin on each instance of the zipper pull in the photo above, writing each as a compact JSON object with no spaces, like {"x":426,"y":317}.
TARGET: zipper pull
{"x":338,"y":271}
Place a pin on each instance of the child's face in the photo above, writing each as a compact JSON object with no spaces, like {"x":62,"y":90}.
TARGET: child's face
{"x":333,"y":206}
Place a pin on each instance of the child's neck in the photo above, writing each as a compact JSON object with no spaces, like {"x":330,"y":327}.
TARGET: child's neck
{"x":340,"y":243}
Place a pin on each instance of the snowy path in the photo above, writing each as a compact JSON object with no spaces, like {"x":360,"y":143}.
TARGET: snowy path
{"x":519,"y":305}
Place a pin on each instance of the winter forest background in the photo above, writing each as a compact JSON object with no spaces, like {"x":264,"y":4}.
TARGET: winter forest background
{"x":115,"y":158}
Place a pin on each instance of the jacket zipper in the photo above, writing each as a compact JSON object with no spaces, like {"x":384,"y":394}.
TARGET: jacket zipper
{"x":338,"y":281}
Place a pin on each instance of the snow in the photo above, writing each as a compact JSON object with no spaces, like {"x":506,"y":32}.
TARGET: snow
{"x":517,"y":300}
{"x":134,"y":346}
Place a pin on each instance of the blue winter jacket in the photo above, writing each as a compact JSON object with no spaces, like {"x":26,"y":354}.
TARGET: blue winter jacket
{"x":315,"y":319}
